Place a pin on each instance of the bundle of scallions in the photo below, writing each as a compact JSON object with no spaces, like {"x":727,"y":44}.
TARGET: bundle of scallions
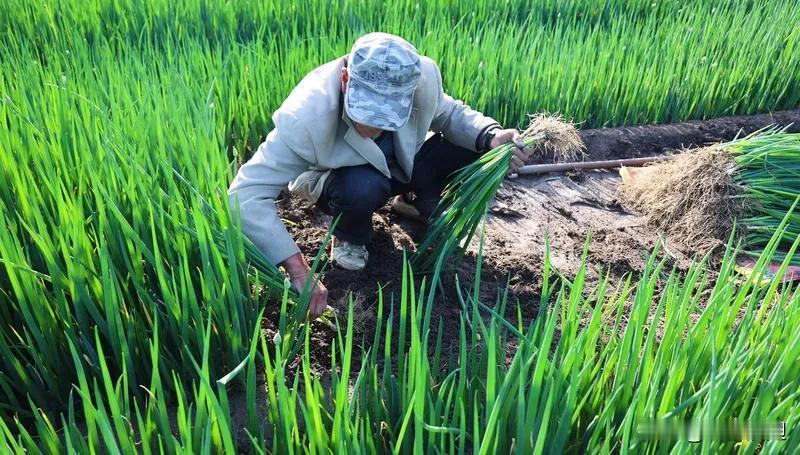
{"x":699,"y":197}
{"x":768,"y":169}
{"x":470,"y":191}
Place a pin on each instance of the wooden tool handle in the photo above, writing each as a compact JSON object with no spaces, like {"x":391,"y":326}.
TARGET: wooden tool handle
{"x":609,"y":164}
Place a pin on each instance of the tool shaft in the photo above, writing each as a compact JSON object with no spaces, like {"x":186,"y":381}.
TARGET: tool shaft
{"x":609,"y":164}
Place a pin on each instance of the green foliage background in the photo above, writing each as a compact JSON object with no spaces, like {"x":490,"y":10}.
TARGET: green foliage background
{"x":122,"y":271}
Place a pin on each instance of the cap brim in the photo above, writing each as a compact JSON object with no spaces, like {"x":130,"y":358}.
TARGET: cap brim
{"x":386,"y":112}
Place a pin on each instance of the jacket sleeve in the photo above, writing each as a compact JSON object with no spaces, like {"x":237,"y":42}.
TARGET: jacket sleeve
{"x":459,"y":123}
{"x":259,"y":182}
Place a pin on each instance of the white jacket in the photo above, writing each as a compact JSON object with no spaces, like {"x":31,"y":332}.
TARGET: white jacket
{"x":313,"y":135}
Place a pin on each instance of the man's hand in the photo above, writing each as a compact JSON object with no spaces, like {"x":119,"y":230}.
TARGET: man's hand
{"x":521,"y":152}
{"x":299,"y":272}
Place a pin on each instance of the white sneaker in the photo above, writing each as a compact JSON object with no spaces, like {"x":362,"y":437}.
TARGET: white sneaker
{"x":349,"y":256}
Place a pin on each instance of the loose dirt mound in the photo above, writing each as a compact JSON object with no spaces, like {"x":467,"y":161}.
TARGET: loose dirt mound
{"x":565,"y":211}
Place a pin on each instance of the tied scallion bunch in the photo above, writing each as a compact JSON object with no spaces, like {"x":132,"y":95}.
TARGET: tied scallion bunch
{"x":468,"y":194}
{"x":768,"y":169}
{"x":700,"y":196}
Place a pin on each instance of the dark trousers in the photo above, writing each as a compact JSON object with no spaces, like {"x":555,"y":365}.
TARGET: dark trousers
{"x":356,"y":192}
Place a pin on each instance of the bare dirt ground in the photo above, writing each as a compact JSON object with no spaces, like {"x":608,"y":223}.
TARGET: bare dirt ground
{"x":646,"y":140}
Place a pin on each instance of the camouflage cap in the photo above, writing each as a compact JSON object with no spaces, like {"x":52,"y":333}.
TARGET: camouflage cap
{"x":384,"y":70}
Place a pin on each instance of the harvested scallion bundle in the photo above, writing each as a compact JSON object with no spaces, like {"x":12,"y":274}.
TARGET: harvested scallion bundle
{"x":471,"y":189}
{"x":699,"y":196}
{"x":768,"y":166}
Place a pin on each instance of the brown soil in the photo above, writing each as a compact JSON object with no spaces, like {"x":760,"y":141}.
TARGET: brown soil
{"x":636,"y":141}
{"x":566,"y":207}
{"x":563,"y":209}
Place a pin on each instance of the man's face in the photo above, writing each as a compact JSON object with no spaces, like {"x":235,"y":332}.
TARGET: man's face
{"x":363,"y":130}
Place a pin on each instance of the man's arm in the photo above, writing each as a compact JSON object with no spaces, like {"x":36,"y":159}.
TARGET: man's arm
{"x":253,"y":192}
{"x":470,"y":129}
{"x":256,"y":186}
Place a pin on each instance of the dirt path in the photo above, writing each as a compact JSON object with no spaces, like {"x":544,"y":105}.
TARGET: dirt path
{"x":566,"y":210}
{"x":636,"y":141}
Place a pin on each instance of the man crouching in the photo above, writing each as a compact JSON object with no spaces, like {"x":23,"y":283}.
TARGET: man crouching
{"x":352,"y":134}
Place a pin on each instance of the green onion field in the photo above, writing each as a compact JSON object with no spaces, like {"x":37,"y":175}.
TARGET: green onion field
{"x":131,"y":306}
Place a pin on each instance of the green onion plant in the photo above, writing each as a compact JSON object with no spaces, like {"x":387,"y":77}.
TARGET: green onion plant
{"x":595,"y":371}
{"x":471,"y":189}
{"x":131,"y":305}
{"x":768,"y":169}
